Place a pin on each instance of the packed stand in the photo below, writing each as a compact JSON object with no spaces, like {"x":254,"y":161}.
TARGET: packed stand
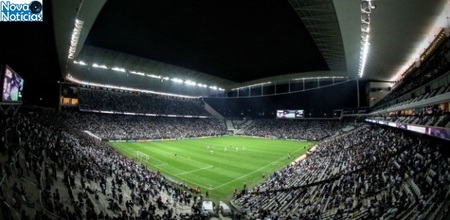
{"x":440,"y":119}
{"x":433,"y":67}
{"x":50,"y":170}
{"x":294,"y":129}
{"x":369,"y":173}
{"x":115,"y":127}
{"x":435,"y":92}
{"x":134,"y":102}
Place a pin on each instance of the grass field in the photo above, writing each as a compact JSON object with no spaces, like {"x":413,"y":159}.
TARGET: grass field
{"x":216,"y":170}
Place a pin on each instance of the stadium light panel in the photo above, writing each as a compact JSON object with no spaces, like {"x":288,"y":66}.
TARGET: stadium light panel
{"x":73,"y":79}
{"x":190,"y":83}
{"x":177,"y":80}
{"x":154,"y":76}
{"x":76,"y":32}
{"x":99,"y":66}
{"x":366,"y":10}
{"x":137,"y":73}
{"x":118,"y":69}
{"x":80,"y":63}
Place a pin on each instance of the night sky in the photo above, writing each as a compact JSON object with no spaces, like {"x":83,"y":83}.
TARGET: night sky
{"x":235,"y":40}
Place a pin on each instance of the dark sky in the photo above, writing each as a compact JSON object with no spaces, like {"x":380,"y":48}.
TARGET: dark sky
{"x":236,"y":40}
{"x":29,"y":49}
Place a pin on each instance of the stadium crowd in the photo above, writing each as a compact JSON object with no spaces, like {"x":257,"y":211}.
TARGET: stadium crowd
{"x":369,"y":173}
{"x":144,"y":127}
{"x":50,"y":170}
{"x":294,"y":129}
{"x":125,"y":101}
{"x":115,"y":127}
{"x":435,"y":120}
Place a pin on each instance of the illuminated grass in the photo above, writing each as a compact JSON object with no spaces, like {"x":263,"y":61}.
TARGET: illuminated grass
{"x":213,"y":169}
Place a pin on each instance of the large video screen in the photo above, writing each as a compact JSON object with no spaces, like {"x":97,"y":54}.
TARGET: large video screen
{"x":290,"y":113}
{"x":12,"y":85}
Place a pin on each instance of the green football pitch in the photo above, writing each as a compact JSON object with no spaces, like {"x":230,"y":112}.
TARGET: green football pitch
{"x":217,"y":165}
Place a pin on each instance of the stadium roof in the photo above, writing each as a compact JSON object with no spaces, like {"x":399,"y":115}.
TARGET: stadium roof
{"x":234,"y":42}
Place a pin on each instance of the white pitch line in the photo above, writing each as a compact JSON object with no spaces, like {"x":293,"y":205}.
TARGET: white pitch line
{"x":187,"y":159}
{"x":204,"y":168}
{"x":195,"y":183}
{"x":270,"y":164}
{"x":160,"y":165}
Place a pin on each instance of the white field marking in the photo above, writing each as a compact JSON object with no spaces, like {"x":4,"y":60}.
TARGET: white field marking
{"x":204,"y":168}
{"x":178,"y":175}
{"x":160,"y":165}
{"x":246,"y":174}
{"x":156,"y":165}
{"x":210,"y":188}
{"x":259,"y":151}
{"x":185,"y":158}
{"x":186,"y":180}
{"x":173,"y":174}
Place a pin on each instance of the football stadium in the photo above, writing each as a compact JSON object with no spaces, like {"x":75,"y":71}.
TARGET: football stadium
{"x":206,"y":110}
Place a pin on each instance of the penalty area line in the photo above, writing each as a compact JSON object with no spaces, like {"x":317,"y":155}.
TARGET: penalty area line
{"x":204,"y":168}
{"x":160,"y":165}
{"x":187,"y":180}
{"x":261,"y":168}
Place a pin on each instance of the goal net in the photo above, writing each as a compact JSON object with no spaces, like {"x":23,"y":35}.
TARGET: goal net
{"x":142,"y":157}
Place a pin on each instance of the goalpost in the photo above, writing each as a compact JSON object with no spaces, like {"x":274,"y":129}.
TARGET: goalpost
{"x":142,"y":157}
